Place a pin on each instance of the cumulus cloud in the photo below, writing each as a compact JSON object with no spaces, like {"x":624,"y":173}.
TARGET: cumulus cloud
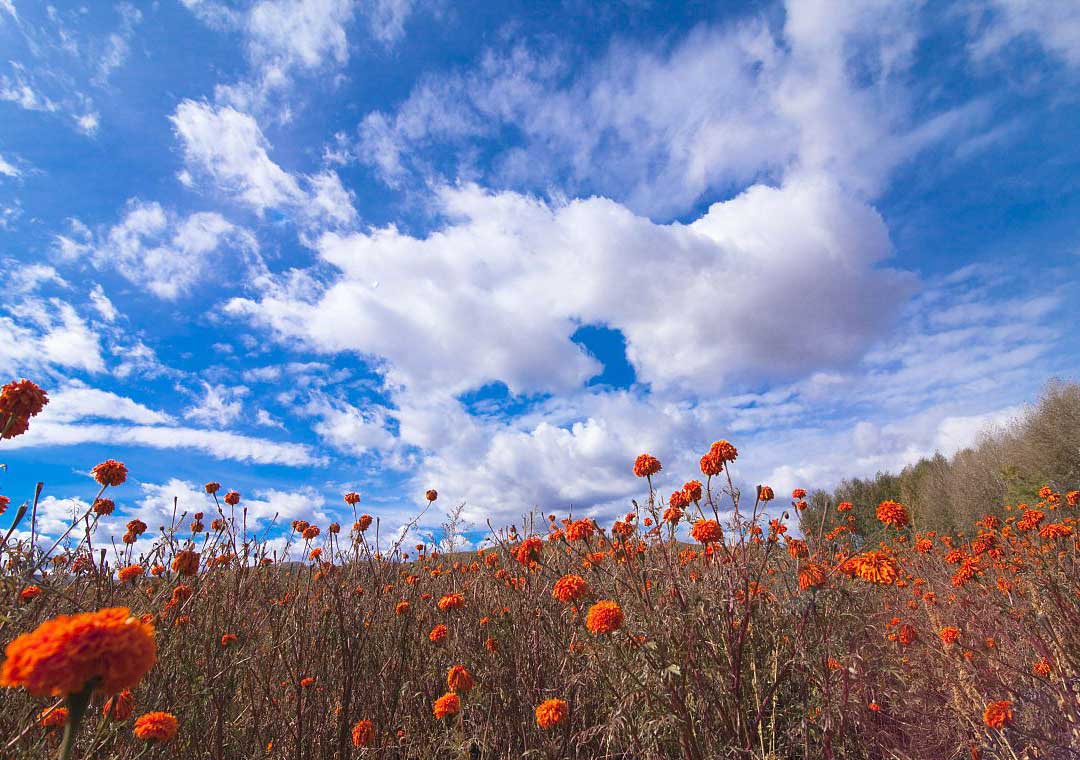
{"x":498,"y":292}
{"x":77,"y":401}
{"x":219,"y":406}
{"x":37,"y":335}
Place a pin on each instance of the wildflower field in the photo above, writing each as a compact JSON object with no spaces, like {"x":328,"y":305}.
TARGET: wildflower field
{"x":707,"y":622}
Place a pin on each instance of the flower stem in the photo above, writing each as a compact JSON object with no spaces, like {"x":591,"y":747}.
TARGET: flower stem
{"x":76,"y":705}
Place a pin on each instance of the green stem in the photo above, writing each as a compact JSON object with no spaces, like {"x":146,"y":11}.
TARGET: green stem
{"x":76,"y":705}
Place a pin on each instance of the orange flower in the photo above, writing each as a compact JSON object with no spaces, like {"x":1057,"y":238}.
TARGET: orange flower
{"x":61,"y":656}
{"x":672,"y":515}
{"x":1051,"y":531}
{"x":692,"y":489}
{"x":363,"y":523}
{"x":310,"y":532}
{"x":136,"y":527}
{"x":646,"y":465}
{"x":998,"y":714}
{"x":451,"y":602}
{"x":110,"y":473}
{"x":907,"y":635}
{"x":439,"y":634}
{"x":363,"y":733}
{"x":459,"y":680}
{"x":529,"y":550}
{"x":1041,"y":667}
{"x":447,"y":704}
{"x":120,"y":706}
{"x":232,"y":498}
{"x":570,"y":588}
{"x":130,"y":573}
{"x":4,"y":502}
{"x":844,"y":506}
{"x":491,"y":645}
{"x":811,"y":575}
{"x":352,"y":498}
{"x":893,"y":513}
{"x":798,"y":493}
{"x":401,"y":607}
{"x":103,"y":507}
{"x":228,"y":639}
{"x":156,"y":726}
{"x":873,"y":567}
{"x":765,"y":493}
{"x":19,"y":401}
{"x":579,"y":530}
{"x":186,"y":563}
{"x":53,"y":718}
{"x":307,"y":683}
{"x":949,"y":634}
{"x":29,"y":593}
{"x":678,"y":500}
{"x":431,"y":494}
{"x":706,"y":531}
{"x":212,"y":487}
{"x":604,"y":617}
{"x":551,"y":712}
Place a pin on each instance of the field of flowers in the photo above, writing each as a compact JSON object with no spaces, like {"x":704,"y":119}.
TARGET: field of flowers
{"x":705,"y":623}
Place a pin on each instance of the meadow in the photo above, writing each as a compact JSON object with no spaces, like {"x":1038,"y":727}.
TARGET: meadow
{"x":706,"y":622}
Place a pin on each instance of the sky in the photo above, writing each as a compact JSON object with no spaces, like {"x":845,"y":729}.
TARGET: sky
{"x":304,"y":247}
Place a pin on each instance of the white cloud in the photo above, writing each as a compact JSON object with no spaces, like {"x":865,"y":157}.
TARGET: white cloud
{"x":165,"y":254}
{"x":102,"y":304}
{"x":40,"y":334}
{"x":75,"y":402}
{"x":219,"y":407}
{"x":228,"y":147}
{"x":8,"y":6}
{"x":387,"y":19}
{"x":497,"y":294}
{"x":1053,"y":24}
{"x":299,"y":33}
{"x":656,"y":127}
{"x":217,"y":443}
{"x":350,"y":429}
{"x":8,"y":169}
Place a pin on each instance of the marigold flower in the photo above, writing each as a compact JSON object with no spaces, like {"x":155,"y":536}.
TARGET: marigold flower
{"x":459,"y":680}
{"x":692,"y":489}
{"x":103,"y":507}
{"x":363,"y":523}
{"x":447,"y":704}
{"x":19,"y":401}
{"x":907,"y":635}
{"x":798,"y":493}
{"x":228,"y":639}
{"x":110,"y":473}
{"x":119,"y":707}
{"x":431,"y":494}
{"x":363,"y":733}
{"x":186,"y":562}
{"x":765,"y":493}
{"x":307,"y":682}
{"x":439,"y":634}
{"x":949,"y":634}
{"x":872,"y":567}
{"x":334,"y":528}
{"x":580,"y":530}
{"x":130,"y":573}
{"x":451,"y":602}
{"x":156,"y":726}
{"x":604,"y":617}
{"x":998,"y":714}
{"x":1072,"y":498}
{"x":1052,"y":531}
{"x":401,"y":608}
{"x":529,"y":550}
{"x":54,"y":718}
{"x":136,"y":527}
{"x":491,"y":645}
{"x":893,"y":513}
{"x":232,"y":498}
{"x":672,"y":515}
{"x":352,"y":498}
{"x":61,"y":656}
{"x":551,"y":712}
{"x":570,"y":588}
{"x":678,"y":500}
{"x":811,"y":575}
{"x":844,"y":506}
{"x":706,"y":531}
{"x":29,"y":593}
{"x":1041,"y":667}
{"x":212,"y":487}
{"x":4,"y":502}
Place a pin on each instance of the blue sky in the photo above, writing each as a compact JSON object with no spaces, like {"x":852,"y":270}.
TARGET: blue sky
{"x":309,"y":246}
